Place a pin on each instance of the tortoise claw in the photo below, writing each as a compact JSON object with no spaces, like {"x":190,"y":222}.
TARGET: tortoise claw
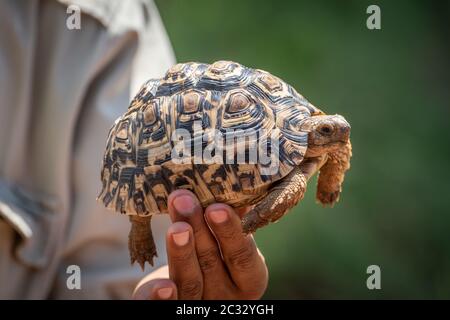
{"x":141,"y":252}
{"x":328,"y":198}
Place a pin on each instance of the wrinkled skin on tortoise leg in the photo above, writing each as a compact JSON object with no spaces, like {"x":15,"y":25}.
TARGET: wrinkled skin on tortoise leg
{"x":140,"y":241}
{"x":332,"y":174}
{"x":281,"y":197}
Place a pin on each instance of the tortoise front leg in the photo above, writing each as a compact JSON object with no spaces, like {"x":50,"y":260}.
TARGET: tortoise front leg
{"x":331,"y":175}
{"x":281,"y":197}
{"x":278,"y":201}
{"x":140,"y":241}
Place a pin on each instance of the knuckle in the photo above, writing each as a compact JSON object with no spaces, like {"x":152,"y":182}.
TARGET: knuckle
{"x":228,"y":232}
{"x":208,"y":259}
{"x":183,"y":257}
{"x":242,"y":259}
{"x":199,"y":232}
{"x":191,"y":288}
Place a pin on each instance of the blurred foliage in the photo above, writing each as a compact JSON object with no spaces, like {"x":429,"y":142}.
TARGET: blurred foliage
{"x":393,"y":87}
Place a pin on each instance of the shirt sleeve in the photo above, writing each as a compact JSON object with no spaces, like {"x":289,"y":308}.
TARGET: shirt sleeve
{"x":61,"y":90}
{"x":97,"y":239}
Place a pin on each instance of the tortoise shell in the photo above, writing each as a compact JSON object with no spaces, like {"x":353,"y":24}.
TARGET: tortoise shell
{"x":139,"y":171}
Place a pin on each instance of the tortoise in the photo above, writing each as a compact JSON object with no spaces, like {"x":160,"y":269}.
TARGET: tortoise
{"x":141,"y":164}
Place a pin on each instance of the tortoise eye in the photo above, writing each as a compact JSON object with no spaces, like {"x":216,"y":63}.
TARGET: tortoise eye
{"x":326,"y":129}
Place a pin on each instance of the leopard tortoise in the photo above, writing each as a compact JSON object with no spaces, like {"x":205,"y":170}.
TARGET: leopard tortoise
{"x":139,"y":169}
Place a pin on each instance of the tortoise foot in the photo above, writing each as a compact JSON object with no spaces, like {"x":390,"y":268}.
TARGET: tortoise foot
{"x":328,"y":198}
{"x":140,"y":242}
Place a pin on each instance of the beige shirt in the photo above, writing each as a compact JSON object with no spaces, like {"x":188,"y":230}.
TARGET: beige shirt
{"x":60,"y":91}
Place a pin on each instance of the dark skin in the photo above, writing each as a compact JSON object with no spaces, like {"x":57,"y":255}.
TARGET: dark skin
{"x":215,"y":260}
{"x":196,"y":268}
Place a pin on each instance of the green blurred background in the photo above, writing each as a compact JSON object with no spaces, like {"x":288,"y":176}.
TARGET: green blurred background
{"x":393,"y":87}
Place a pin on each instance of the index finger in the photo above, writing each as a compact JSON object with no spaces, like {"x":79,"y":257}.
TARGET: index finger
{"x":245,"y":264}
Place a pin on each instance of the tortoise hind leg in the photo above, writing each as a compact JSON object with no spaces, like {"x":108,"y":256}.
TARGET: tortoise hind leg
{"x":140,"y":241}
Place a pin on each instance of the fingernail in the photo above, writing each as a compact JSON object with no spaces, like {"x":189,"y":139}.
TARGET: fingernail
{"x":181,"y":238}
{"x":165,"y":293}
{"x":218,"y":216}
{"x":184,"y":205}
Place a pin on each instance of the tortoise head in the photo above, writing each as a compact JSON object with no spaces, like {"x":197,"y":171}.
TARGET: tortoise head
{"x":326,"y":134}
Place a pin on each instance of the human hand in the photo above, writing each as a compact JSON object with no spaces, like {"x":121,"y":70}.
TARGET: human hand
{"x":209,"y":256}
